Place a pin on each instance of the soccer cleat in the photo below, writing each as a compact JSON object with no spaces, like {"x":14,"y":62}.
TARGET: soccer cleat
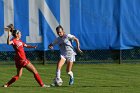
{"x":57,"y":82}
{"x":53,"y":85}
{"x":46,"y":86}
{"x":71,"y":81}
{"x":5,"y":86}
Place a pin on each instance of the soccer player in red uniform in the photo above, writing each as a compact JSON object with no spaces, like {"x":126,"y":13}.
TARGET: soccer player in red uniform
{"x":20,"y":58}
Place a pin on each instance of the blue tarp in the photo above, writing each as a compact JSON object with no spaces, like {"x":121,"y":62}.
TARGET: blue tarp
{"x":99,"y":24}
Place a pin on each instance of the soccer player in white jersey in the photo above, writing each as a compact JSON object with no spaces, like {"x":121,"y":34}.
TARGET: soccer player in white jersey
{"x":67,"y":52}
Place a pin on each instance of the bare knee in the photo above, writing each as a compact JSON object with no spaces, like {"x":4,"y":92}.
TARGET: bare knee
{"x":19,"y":75}
{"x":31,"y":68}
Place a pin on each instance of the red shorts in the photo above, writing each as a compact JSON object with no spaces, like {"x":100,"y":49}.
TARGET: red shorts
{"x":21,"y":63}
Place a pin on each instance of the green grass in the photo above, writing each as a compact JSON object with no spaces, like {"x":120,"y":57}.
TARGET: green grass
{"x":89,"y":78}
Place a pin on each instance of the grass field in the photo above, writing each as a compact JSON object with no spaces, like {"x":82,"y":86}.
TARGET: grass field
{"x":89,"y":78}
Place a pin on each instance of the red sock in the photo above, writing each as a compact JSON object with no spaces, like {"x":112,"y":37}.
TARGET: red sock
{"x":12,"y":80}
{"x":38,"y":79}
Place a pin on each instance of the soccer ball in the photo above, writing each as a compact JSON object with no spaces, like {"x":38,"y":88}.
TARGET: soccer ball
{"x":58,"y":82}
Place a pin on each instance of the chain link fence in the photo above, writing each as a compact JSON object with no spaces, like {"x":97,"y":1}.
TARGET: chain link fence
{"x":130,"y":56}
{"x":88,"y":56}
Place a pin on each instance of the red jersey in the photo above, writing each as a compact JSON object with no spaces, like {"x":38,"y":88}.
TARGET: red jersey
{"x":18,"y":45}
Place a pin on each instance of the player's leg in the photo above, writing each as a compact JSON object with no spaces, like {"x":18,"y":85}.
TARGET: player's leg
{"x":69,"y":68}
{"x":32,"y":69}
{"x":70,"y":73}
{"x":15,"y":78}
{"x":60,"y":63}
{"x":59,"y":66}
{"x":70,"y":61}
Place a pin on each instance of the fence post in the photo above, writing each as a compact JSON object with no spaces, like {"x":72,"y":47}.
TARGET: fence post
{"x":116,"y":56}
{"x":120,"y":56}
{"x":44,"y":57}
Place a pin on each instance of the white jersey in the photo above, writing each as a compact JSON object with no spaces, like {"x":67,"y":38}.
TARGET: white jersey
{"x":65,"y":45}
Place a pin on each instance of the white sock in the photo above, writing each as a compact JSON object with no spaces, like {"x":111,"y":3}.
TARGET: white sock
{"x":58,"y":73}
{"x":70,"y":73}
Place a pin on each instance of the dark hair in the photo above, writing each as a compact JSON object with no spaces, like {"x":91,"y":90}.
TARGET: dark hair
{"x":15,"y":32}
{"x":10,"y":26}
{"x":59,"y":27}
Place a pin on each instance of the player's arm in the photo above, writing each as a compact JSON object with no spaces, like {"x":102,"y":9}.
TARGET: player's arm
{"x":50,"y":46}
{"x":72,"y":37}
{"x":8,"y":38}
{"x":77,"y":44}
{"x":29,"y":46}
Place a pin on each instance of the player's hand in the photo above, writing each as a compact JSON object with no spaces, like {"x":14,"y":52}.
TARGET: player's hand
{"x":50,"y":46}
{"x":7,"y":29}
{"x":35,"y":47}
{"x":79,"y":50}
{"x":9,"y":33}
